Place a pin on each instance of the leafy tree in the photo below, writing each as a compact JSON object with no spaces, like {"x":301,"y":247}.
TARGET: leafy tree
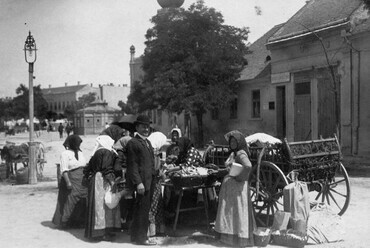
{"x":82,"y":102}
{"x":5,"y":109}
{"x":69,"y":111}
{"x":191,"y":62}
{"x":51,"y":115}
{"x":126,"y":108}
{"x":20,"y":103}
{"x":367,"y":4}
{"x":85,"y":100}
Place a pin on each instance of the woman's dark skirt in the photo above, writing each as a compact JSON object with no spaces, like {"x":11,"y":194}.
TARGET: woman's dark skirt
{"x":71,"y":204}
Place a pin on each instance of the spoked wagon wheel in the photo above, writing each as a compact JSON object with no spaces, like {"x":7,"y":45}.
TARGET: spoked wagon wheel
{"x":40,"y":160}
{"x":335,"y":192}
{"x":270,"y":196}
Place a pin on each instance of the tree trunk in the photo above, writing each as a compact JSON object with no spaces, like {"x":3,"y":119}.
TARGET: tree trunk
{"x":199,"y":116}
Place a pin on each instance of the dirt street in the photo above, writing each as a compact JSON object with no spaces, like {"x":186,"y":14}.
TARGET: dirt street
{"x":26,"y":210}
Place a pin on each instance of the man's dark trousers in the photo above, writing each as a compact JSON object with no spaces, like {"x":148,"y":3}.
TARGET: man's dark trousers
{"x":140,"y":220}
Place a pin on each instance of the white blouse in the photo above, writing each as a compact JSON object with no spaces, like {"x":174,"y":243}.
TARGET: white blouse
{"x":69,"y":162}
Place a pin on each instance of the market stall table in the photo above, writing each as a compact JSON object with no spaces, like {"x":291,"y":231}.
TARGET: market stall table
{"x":203,"y":187}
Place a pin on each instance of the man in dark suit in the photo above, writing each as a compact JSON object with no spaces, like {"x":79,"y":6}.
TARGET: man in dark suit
{"x":140,"y":174}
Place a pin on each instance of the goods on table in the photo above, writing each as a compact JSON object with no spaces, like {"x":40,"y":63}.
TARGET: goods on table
{"x":191,"y":176}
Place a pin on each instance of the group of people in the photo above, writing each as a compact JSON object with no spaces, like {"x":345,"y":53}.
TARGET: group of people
{"x":138,"y":161}
{"x":68,"y":129}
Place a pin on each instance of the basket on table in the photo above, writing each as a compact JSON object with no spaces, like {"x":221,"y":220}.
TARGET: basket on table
{"x":179,"y":180}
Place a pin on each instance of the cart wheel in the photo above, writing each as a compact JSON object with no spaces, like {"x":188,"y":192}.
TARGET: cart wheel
{"x":40,"y":160}
{"x":335,"y":193}
{"x":270,"y":197}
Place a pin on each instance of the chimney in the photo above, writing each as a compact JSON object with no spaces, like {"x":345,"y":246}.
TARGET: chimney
{"x":132,"y":52}
{"x":49,"y":86}
{"x":91,"y":85}
{"x":66,"y":84}
{"x":78,"y":82}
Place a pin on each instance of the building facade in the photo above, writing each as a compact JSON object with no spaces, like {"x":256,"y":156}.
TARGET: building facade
{"x":305,"y":79}
{"x":93,"y":118}
{"x":319,"y":60}
{"x":58,"y":98}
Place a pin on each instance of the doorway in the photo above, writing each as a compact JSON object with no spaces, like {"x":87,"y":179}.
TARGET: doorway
{"x":302,"y":111}
{"x":280,"y":112}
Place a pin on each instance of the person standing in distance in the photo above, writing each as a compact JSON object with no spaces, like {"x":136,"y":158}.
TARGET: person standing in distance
{"x":140,"y":177}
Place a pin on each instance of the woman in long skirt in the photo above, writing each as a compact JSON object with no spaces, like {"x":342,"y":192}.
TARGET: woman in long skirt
{"x":72,"y":194}
{"x":101,"y":220}
{"x":235,"y":222}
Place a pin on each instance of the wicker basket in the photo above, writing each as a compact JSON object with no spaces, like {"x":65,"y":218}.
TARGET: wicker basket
{"x":262,"y":236}
{"x":180,"y":181}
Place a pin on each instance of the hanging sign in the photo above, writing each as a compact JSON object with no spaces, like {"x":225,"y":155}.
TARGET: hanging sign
{"x":280,"y":77}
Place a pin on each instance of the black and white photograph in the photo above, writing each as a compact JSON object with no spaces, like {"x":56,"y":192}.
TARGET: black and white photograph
{"x":184,"y":123}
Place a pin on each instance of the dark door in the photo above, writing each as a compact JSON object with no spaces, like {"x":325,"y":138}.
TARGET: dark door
{"x":302,"y":111}
{"x":280,"y":112}
{"x":326,"y":109}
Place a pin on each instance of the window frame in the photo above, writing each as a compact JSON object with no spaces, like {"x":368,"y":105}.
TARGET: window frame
{"x":256,"y":104}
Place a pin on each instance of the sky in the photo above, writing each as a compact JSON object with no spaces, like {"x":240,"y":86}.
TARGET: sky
{"x":88,"y":41}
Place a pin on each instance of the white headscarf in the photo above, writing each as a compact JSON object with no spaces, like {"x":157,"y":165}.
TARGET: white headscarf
{"x":178,"y":130}
{"x":104,"y":141}
{"x":158,"y":139}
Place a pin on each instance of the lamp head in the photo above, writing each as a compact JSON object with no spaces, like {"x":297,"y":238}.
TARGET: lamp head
{"x":30,"y":49}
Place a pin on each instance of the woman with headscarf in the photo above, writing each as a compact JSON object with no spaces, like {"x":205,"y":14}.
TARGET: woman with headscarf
{"x":175,"y":135}
{"x":188,"y":154}
{"x":235,"y":222}
{"x":126,"y":203}
{"x":72,"y":194}
{"x":100,"y":175}
{"x":156,"y":217}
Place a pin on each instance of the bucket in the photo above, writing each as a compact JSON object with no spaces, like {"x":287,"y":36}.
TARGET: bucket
{"x":21,"y":175}
{"x":262,"y":236}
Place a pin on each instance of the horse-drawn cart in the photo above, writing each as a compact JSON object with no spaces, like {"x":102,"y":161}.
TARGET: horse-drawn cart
{"x":318,"y":163}
{"x":14,"y":154}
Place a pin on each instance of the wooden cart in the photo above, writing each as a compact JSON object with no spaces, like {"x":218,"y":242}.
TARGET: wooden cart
{"x":318,"y":163}
{"x":13,"y":159}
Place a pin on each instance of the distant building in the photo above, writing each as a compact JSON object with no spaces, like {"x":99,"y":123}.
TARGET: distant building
{"x":92,"y":119}
{"x":112,"y":94}
{"x":58,"y":98}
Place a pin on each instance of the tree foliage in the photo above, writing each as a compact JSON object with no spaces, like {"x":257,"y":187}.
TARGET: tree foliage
{"x":20,"y":103}
{"x":367,"y":4}
{"x":82,"y":102}
{"x":126,"y":108}
{"x":191,"y":62}
{"x":85,"y":100}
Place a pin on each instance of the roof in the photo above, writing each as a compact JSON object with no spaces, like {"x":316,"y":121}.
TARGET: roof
{"x":257,"y":56}
{"x":317,"y":15}
{"x":98,"y":109}
{"x":64,"y":89}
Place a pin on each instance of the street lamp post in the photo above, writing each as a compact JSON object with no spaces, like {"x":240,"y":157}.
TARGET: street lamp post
{"x":30,"y":56}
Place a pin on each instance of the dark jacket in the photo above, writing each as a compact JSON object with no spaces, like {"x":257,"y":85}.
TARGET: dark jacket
{"x":140,"y":162}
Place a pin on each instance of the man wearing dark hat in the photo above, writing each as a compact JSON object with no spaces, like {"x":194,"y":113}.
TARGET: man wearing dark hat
{"x":140,"y":174}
